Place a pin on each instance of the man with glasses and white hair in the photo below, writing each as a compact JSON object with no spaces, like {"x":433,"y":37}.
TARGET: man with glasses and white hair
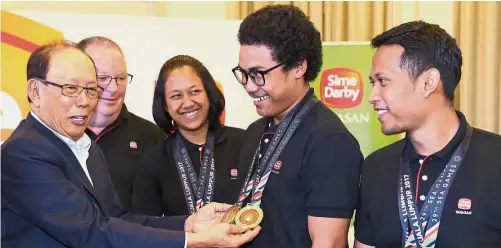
{"x":122,"y":135}
{"x":56,"y":191}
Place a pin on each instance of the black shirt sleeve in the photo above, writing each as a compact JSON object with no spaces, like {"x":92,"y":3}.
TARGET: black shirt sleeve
{"x":146,"y":195}
{"x":332,"y":175}
{"x":363,"y":226}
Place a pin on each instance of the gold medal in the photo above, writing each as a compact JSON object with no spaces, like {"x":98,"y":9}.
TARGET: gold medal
{"x":250,"y":216}
{"x":229,"y":216}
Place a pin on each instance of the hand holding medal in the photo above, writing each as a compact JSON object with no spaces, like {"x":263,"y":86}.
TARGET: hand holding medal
{"x":205,"y":228}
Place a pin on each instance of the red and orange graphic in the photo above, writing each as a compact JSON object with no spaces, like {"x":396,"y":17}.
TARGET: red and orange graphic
{"x":20,"y":37}
{"x":341,"y":87}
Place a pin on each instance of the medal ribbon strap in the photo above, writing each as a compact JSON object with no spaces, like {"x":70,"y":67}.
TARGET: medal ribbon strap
{"x":249,"y":182}
{"x":258,"y":190}
{"x":402,"y":201}
{"x":276,"y":141}
{"x":424,"y":228}
{"x":249,"y":185}
{"x":259,"y":179}
{"x":206,"y":183}
{"x":408,"y":210}
{"x":187,"y":174}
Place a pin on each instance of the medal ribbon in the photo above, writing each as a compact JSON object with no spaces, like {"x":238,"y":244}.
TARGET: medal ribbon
{"x":284,"y":132}
{"x":424,"y":225}
{"x":204,"y":186}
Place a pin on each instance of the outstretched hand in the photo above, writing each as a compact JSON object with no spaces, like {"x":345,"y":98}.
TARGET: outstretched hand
{"x":206,"y":217}
{"x":222,"y":235}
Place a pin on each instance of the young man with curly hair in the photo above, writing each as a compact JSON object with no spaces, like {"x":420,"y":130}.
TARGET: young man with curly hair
{"x":302,"y":185}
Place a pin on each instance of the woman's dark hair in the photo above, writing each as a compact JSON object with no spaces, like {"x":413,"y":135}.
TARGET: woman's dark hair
{"x":216,"y":98}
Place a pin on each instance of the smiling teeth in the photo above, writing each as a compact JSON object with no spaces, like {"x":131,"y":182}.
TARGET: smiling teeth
{"x":190,"y":114}
{"x":381,"y":111}
{"x":79,"y":118}
{"x":259,"y":99}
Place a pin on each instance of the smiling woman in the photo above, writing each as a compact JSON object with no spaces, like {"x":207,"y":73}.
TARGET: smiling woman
{"x":179,"y":175}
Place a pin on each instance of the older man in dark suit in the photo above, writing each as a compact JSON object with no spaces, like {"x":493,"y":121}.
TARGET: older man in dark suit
{"x":56,"y":191}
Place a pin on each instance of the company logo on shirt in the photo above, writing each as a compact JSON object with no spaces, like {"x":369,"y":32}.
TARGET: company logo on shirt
{"x":234,"y":172}
{"x":133,"y":145}
{"x":341,"y":87}
{"x":277,"y":166}
{"x":464,"y":204}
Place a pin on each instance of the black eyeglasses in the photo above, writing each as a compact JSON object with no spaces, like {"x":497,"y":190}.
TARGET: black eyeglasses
{"x":105,"y":80}
{"x":257,"y":77}
{"x":72,"y":90}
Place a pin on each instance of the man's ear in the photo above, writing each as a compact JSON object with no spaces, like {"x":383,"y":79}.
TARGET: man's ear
{"x":300,"y":69}
{"x":33,"y":92}
{"x":432,"y":81}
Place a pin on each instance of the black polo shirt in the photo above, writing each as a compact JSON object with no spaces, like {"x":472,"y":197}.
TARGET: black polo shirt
{"x":478,"y":181}
{"x":158,"y":189}
{"x":122,"y":143}
{"x":318,"y":176}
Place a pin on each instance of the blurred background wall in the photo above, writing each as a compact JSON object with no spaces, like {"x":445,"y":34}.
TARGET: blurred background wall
{"x":476,"y":25}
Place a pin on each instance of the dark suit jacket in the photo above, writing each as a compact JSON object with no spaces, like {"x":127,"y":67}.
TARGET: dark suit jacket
{"x":47,"y":200}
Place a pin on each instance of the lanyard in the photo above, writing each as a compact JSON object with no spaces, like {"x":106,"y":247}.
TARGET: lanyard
{"x":424,"y":225}
{"x":284,"y":132}
{"x":203,"y":188}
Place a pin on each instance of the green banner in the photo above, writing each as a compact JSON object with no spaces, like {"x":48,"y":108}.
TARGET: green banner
{"x":343,"y":85}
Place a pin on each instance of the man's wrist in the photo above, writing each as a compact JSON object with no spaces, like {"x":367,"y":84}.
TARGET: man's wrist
{"x":195,"y":240}
{"x":187,"y":224}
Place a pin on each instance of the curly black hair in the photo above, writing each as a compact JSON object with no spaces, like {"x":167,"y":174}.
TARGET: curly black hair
{"x":426,"y":46}
{"x":288,"y":33}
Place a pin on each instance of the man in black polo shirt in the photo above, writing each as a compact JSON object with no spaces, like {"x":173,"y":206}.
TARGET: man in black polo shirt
{"x":121,"y":135}
{"x":440,"y":186}
{"x":305,"y":164}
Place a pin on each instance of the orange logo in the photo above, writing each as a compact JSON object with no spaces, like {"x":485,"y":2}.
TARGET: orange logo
{"x":20,"y":37}
{"x":341,"y":87}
